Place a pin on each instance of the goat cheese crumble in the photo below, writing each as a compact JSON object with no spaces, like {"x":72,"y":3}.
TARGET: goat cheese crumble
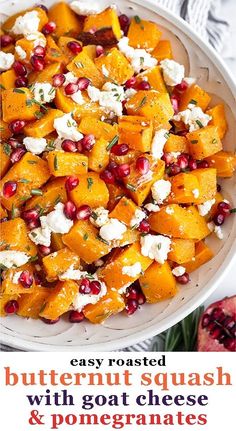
{"x":196,"y":193}
{"x":152,"y":207}
{"x":37,"y":38}
{"x":78,"y":98}
{"x":194,"y":117}
{"x":140,"y":59}
{"x":41,"y":235}
{"x":43,"y":92}
{"x":27,"y":23}
{"x":13,"y":258}
{"x":35,"y":145}
{"x":161,"y":190}
{"x":138,"y":216}
{"x":112,"y":230}
{"x":204,"y":208}
{"x":82,"y":7}
{"x":20,"y":52}
{"x":110,"y":98}
{"x":158,"y":143}
{"x":132,"y":270}
{"x":216,"y":229}
{"x":6,"y":61}
{"x":66,"y":128}
{"x":173,"y":72}
{"x":57,"y":221}
{"x":178,"y":271}
{"x":155,"y":247}
{"x":99,"y":217}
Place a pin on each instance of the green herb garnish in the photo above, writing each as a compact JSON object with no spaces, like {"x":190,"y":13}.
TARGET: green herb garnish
{"x":113,"y":142}
{"x":102,"y":240}
{"x":195,"y":141}
{"x":90,"y":182}
{"x":36,"y":192}
{"x":131,"y":187}
{"x":199,"y":123}
{"x":193,"y":102}
{"x":7,"y":149}
{"x":137,"y":19}
{"x":55,"y":163}
{"x":18,"y":90}
{"x":143,"y":101}
{"x":85,"y":237}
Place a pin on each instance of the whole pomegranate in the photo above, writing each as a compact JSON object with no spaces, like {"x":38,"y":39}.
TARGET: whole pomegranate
{"x":217,"y":327}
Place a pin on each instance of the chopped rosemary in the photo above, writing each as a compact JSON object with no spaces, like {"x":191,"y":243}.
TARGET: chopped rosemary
{"x":113,"y":142}
{"x":90,"y":182}
{"x":24,"y":181}
{"x":32,"y":162}
{"x":192,"y":102}
{"x":13,"y":212}
{"x":7,"y":149}
{"x":159,"y":246}
{"x":137,"y":19}
{"x":233,"y":210}
{"x":36,"y":192}
{"x":214,"y":141}
{"x":199,"y":123}
{"x":130,"y":187}
{"x":94,"y":215}
{"x":55,"y":163}
{"x":18,"y":90}
{"x":57,"y":200}
{"x":85,"y":237}
{"x":102,"y":240}
{"x":79,"y":64}
{"x":167,"y":135}
{"x":195,"y":141}
{"x":143,"y":101}
{"x":2,"y":87}
{"x":38,"y":115}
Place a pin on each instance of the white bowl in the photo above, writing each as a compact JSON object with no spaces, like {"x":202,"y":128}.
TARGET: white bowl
{"x":202,"y":62}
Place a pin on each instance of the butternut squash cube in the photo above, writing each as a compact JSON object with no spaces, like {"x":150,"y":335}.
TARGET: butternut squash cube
{"x":154,"y":77}
{"x":136,"y":132}
{"x":114,"y":66}
{"x":143,"y":34}
{"x":196,"y":93}
{"x":53,"y":52}
{"x":59,"y":300}
{"x":184,"y":189}
{"x":202,"y":255}
{"x":107,"y":28}
{"x":17,"y":104}
{"x":10,"y":285}
{"x":5,"y":131}
{"x":175,"y":144}
{"x":124,"y":210}
{"x":91,"y":191}
{"x":5,"y":151}
{"x":126,"y":158}
{"x":182,"y":250}
{"x":204,"y":142}
{"x":58,"y":262}
{"x":163,"y":50}
{"x":112,"y":303}
{"x":224,"y":162}
{"x":14,"y":236}
{"x":53,"y":192}
{"x":98,"y":157}
{"x":56,"y":241}
{"x":7,"y":79}
{"x":129,"y":237}
{"x":61,"y":163}
{"x":3,"y":213}
{"x":158,"y":283}
{"x":99,"y":129}
{"x":207,"y":184}
{"x":116,"y":192}
{"x":67,"y":22}
{"x":82,"y":65}
{"x":31,"y":305}
{"x":46,"y":74}
{"x":44,"y":126}
{"x":218,"y":119}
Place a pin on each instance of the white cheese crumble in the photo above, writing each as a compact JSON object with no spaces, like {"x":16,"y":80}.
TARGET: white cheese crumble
{"x":16,"y":276}
{"x":178,"y":271}
{"x":189,"y":80}
{"x":27,"y":23}
{"x":37,"y":38}
{"x":140,"y":59}
{"x":161,"y":190}
{"x":6,"y":61}
{"x":204,"y":208}
{"x":70,"y":78}
{"x":194,"y":117}
{"x":35,"y":145}
{"x":41,"y":235}
{"x":155,"y":247}
{"x":132,"y":270}
{"x":158,"y":143}
{"x":169,"y":210}
{"x":219,"y":233}
{"x":57,"y":221}
{"x":83,"y":7}
{"x":130,"y":92}
{"x":13,"y":258}
{"x":99,"y":217}
{"x":196,"y":193}
{"x":110,"y":98}
{"x":138,"y":216}
{"x":43,"y":92}
{"x":173,"y":72}
{"x":112,"y":230}
{"x":152,"y":207}
{"x":105,"y":72}
{"x":78,"y":98}
{"x":20,"y":52}
{"x":66,"y":127}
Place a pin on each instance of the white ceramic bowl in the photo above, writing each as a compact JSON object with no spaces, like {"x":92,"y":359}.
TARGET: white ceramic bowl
{"x":202,"y":62}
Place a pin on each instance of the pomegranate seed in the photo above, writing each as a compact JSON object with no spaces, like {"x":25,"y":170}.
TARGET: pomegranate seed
{"x":95,"y":287}
{"x":219,"y":219}
{"x":83,"y":83}
{"x":69,"y":146}
{"x":182,"y":133}
{"x":218,"y":314}
{"x":224,"y":208}
{"x":144,"y":226}
{"x":21,"y":82}
{"x":79,"y":146}
{"x":14,"y":143}
{"x":30,"y":215}
{"x":42,"y":7}
{"x":124,"y":22}
{"x":17,"y":154}
{"x":11,"y":307}
{"x":192,"y":164}
{"x":70,"y":210}
{"x":43,"y":250}
{"x":9,"y":189}
{"x":120,"y":149}
{"x":144,"y":85}
{"x":49,"y":28}
{"x":112,"y":166}
{"x":76,"y":316}
{"x":37,"y":63}
{"x":141,"y":298}
{"x":216,"y":333}
{"x":39,"y":51}
{"x":182,"y":161}
{"x":174,"y":169}
{"x":71,"y":183}
{"x":182,"y":86}
{"x":17,"y":126}
{"x":19,"y":68}
{"x":142,"y":165}
{"x":83,"y":212}
{"x":183,"y":279}
{"x":131,"y":306}
{"x":50,"y":321}
{"x":38,"y":279}
{"x":219,"y":188}
{"x":206,"y":320}
{"x":26,"y":279}
{"x":230,"y":344}
{"x":74,"y":47}
{"x":58,"y":80}
{"x":6,"y":40}
{"x":132,"y":292}
{"x":33,"y":224}
{"x":107,"y":176}
{"x":203,"y":164}
{"x":167,"y":157}
{"x":123,"y":170}
{"x":175,"y":104}
{"x":131,"y":83}
{"x":71,"y":88}
{"x":88,"y":142}
{"x":85,"y":286}
{"x":99,"y":50}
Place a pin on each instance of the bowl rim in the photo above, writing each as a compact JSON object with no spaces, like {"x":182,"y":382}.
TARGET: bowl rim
{"x":213,"y":283}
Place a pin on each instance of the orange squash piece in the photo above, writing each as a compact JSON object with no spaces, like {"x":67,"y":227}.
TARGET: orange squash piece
{"x":59,"y":301}
{"x":183,"y":188}
{"x":175,"y":144}
{"x":11,"y":286}
{"x":5,"y":151}
{"x":204,"y":142}
{"x":196,"y":93}
{"x":3,"y":213}
{"x":99,"y":129}
{"x":53,"y":52}
{"x":158,"y":283}
{"x":218,"y":119}
{"x":18,"y":104}
{"x":46,"y":74}
{"x":224,"y":162}
{"x":43,"y":126}
{"x":7,"y":79}
{"x":14,"y":236}
{"x":67,"y":22}
{"x":136,"y":132}
{"x":107,"y":26}
{"x":31,"y":305}
{"x":56,"y":241}
{"x":91,"y":191}
{"x":58,"y":262}
{"x":124,"y":210}
{"x":116,"y":192}
{"x":143,"y":34}
{"x":114,"y":66}
{"x":163,"y":50}
{"x":112,"y":303}
{"x":5,"y":131}
{"x":98,"y":157}
{"x":207,"y":184}
{"x":82,"y":65}
{"x":182,"y":250}
{"x":202,"y":255}
{"x":53,"y":192}
{"x":61,"y":163}
{"x":154,"y":77}
{"x":62,"y":44}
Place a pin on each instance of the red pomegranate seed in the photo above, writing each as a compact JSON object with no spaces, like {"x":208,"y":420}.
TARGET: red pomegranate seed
{"x":206,"y":320}
{"x":70,"y":210}
{"x":83,"y":212}
{"x":17,"y":154}
{"x":71,"y":88}
{"x":19,"y":68}
{"x":182,"y":161}
{"x":74,"y":47}
{"x":26,"y":279}
{"x":203,"y":164}
{"x":17,"y":126}
{"x":6,"y":40}
{"x":175,"y":104}
{"x":230,"y":344}
{"x":76,"y":316}
{"x":38,"y":279}
{"x":131,"y":306}
{"x":49,"y":28}
{"x":183,"y":279}
{"x":124,"y":22}
{"x":50,"y":321}
{"x":144,"y":85}
{"x":83,"y":83}
{"x":120,"y":149}
{"x":85,"y":286}
{"x":88,"y":142}
{"x":33,"y":224}
{"x":224,"y":208}
{"x":167,"y":157}
{"x":42,"y":7}
{"x":192,"y":164}
{"x":95,"y":287}
{"x":182,"y":133}
{"x":218,"y":314}
{"x":143,"y":165}
{"x":141,"y":298}
{"x":123,"y":170}
{"x":40,"y":51}
{"x":58,"y":80}
{"x":21,"y":82}
{"x":11,"y":307}
{"x":69,"y":146}
{"x":219,"y":188}
{"x":99,"y":50}
{"x":43,"y":250}
{"x":9,"y":189}
{"x":79,"y":146}
{"x":131,"y":83}
{"x":30,"y":215}
{"x":132,"y":292}
{"x":37,"y":63}
{"x":112,"y":166}
{"x":144,"y":226}
{"x":71,"y":183}
{"x":107,"y":176}
{"x":14,"y":143}
{"x":219,"y":219}
{"x":182,"y":86}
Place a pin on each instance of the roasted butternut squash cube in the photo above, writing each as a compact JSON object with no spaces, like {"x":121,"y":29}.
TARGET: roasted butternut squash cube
{"x":46,"y":74}
{"x":114,"y":273}
{"x":31,"y":305}
{"x":53,"y":192}
{"x":56,"y":241}
{"x":58,"y":262}
{"x":61,"y":163}
{"x":44,"y":126}
{"x":5,"y":131}
{"x":82,"y":65}
{"x":91,"y":191}
{"x":175,"y":144}
{"x":112,"y":303}
{"x":154,"y":77}
{"x":99,"y":129}
{"x":107,"y":28}
{"x":63,"y":102}
{"x":224,"y":162}
{"x":163,"y":50}
{"x":202,"y":255}
{"x":83,"y":239}
{"x":136,"y":132}
{"x":4,"y":299}
{"x":116,"y":192}
{"x":218,"y":198}
{"x":114,"y":66}
{"x":89,"y":109}
{"x":204,"y":142}
{"x":124,"y":210}
{"x":158,"y":283}
{"x":53,"y":52}
{"x":218,"y":119}
{"x":5,"y":151}
{"x":207,"y":184}
{"x":98,"y":157}
{"x":10,"y":283}
{"x":7,"y":79}
{"x":30,"y":173}
{"x":9,"y":23}
{"x":60,"y":299}
{"x":67,"y":22}
{"x":143,"y":34}
{"x":178,"y":222}
{"x":129,"y":237}
{"x":3,"y":213}
{"x":184,"y":189}
{"x":18,"y":104}
{"x":200,"y":97}
{"x":182,"y":250}
{"x":14,"y":236}
{"x":126,"y":158}
{"x":27,"y":46}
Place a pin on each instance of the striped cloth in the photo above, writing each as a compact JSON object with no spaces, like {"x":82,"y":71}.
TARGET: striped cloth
{"x":204,"y":17}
